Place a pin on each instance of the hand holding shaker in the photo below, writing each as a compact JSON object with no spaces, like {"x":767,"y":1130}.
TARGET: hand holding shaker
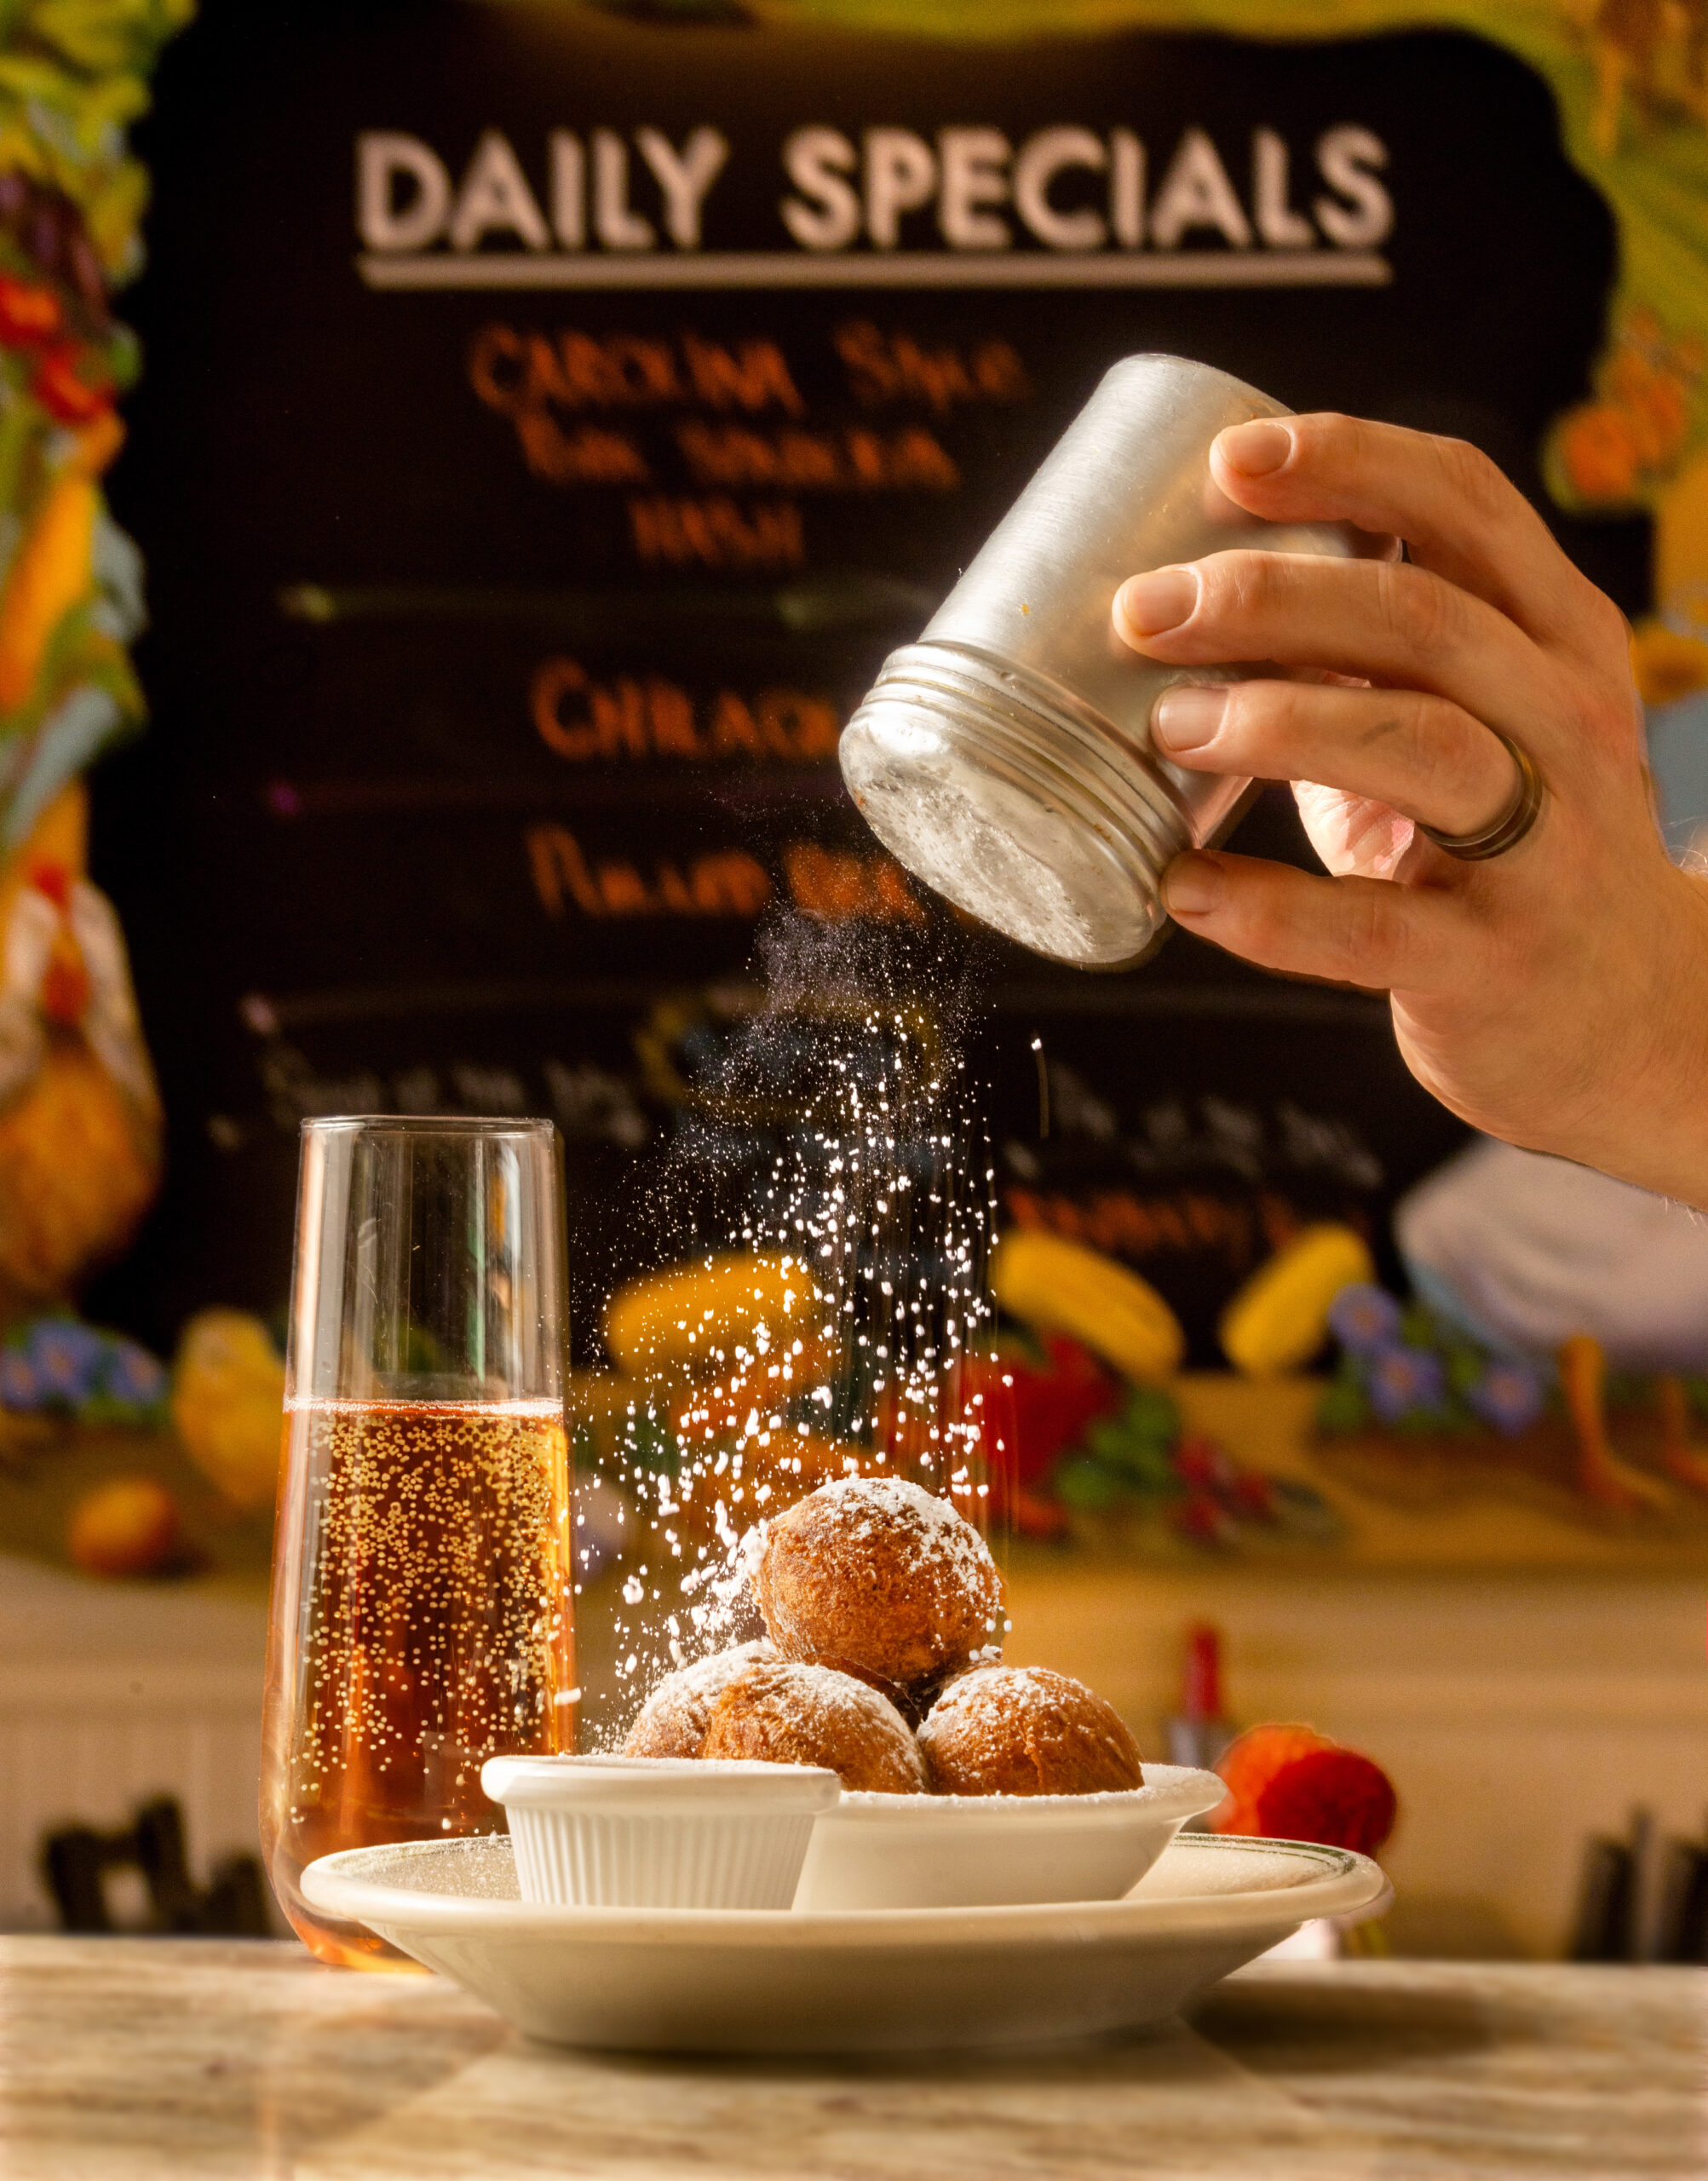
{"x":1006,"y":757}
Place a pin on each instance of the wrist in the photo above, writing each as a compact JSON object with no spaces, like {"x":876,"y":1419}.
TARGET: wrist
{"x":1654,"y":1131}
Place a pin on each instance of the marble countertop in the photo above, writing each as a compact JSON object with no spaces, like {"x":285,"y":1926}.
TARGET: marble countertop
{"x":143,"y":2058}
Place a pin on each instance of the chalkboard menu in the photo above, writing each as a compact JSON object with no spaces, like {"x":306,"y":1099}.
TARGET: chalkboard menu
{"x":551,"y":418}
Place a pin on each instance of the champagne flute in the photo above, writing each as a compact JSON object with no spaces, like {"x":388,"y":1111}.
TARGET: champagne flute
{"x":422,"y":1618}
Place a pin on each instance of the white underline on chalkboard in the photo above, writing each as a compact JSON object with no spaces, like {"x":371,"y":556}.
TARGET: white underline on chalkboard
{"x":1186,"y":268}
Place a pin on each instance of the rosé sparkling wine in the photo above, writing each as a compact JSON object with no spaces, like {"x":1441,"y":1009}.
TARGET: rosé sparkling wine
{"x":437,"y":1632}
{"x":422,"y":1602}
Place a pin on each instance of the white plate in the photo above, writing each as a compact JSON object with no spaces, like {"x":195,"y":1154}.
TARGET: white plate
{"x":975,"y":1851}
{"x":749,"y":1981}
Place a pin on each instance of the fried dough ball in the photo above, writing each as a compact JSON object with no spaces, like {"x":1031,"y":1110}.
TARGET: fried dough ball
{"x":777,"y":1712}
{"x":672,"y":1722}
{"x":1024,"y":1730}
{"x":877,"y":1578}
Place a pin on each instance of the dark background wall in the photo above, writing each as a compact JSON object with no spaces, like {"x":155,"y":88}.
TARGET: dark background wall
{"x":332,"y":848}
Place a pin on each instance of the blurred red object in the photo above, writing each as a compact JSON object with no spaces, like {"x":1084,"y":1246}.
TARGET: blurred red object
{"x":1202,"y":1465}
{"x":62,"y":390}
{"x":28,"y":314}
{"x":1021,"y":1416}
{"x":1200,"y":1694}
{"x":1035,"y":1516}
{"x":1288,"y":1782}
{"x":1030,"y":1415}
{"x":1203,"y":1519}
{"x":1053,"y":1407}
{"x":1334,"y":1796}
{"x":1198,"y":1732}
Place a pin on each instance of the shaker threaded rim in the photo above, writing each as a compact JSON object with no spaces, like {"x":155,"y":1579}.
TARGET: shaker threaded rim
{"x":947,"y":735}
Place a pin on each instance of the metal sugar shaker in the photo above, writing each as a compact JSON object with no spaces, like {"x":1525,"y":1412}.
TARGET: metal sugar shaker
{"x":1006,"y":757}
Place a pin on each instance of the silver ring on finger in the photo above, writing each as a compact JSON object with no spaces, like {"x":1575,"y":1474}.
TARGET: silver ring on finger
{"x":1512,"y":824}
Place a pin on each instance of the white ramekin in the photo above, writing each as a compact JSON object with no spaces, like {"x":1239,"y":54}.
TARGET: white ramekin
{"x":961,"y":1852}
{"x":658,"y":1832}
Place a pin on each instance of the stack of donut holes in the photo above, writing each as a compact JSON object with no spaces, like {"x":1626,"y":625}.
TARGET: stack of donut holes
{"x":882,"y":1611}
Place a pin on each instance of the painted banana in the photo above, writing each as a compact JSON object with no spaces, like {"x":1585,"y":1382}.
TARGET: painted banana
{"x":690,"y":1316}
{"x":1061,"y":1287}
{"x":1279,"y":1318}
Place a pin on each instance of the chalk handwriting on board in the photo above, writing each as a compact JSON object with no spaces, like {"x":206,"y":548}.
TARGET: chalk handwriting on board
{"x":579,"y":719}
{"x":518,"y":540}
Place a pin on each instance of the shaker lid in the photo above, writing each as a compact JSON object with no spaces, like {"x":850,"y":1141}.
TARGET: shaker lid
{"x":1006,"y":806}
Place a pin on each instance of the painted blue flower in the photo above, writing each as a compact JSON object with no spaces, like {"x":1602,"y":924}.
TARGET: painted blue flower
{"x":1364,"y":1320}
{"x":1403,"y":1380}
{"x":134,"y":1376}
{"x":1509,"y":1395}
{"x":20,"y":1389}
{"x":67,"y":1357}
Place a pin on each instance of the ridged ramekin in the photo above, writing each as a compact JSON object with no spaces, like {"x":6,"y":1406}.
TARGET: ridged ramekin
{"x":658,"y":1832}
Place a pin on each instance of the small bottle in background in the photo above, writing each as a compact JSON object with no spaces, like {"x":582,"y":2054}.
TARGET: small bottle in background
{"x":1200,"y":1731}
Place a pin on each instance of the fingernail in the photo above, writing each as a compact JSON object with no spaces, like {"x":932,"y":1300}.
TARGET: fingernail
{"x":1163,"y":600}
{"x":1192,"y":885}
{"x":1187,"y":717}
{"x":1254,"y":450}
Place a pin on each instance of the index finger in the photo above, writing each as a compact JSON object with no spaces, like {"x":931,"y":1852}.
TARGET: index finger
{"x":1460,"y":516}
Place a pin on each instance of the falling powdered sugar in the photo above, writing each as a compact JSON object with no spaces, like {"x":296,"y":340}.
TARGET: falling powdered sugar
{"x":831,"y":1144}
